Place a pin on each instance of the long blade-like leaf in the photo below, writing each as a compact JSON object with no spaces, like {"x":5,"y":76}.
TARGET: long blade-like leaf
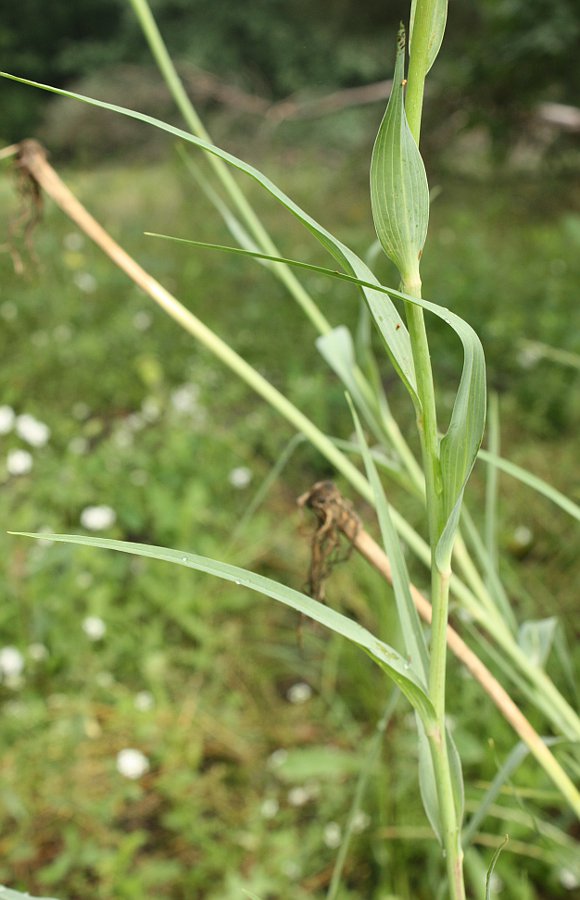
{"x":398,"y":669}
{"x":391,"y":326}
{"x":413,"y":636}
{"x":537,"y":484}
{"x":460,"y":445}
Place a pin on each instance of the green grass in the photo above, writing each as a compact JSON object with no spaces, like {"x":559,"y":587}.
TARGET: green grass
{"x":103,"y":368}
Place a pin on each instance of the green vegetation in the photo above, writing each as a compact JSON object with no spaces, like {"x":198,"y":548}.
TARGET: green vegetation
{"x":248,"y":741}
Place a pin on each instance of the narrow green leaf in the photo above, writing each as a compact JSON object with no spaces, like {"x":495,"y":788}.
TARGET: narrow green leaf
{"x":337,"y":349}
{"x":413,"y":635}
{"x":397,"y":668}
{"x":391,"y":326}
{"x":537,"y":484}
{"x":460,"y":445}
{"x":436,"y":30}
{"x":536,"y":639}
{"x":428,"y":783}
{"x":399,"y":189}
{"x":492,"y":865}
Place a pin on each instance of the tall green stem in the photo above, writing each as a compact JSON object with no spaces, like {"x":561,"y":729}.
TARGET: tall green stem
{"x":427,"y":422}
{"x":228,"y":182}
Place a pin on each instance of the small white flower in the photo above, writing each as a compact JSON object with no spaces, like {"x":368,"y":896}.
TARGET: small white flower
{"x":32,"y":431}
{"x":37,"y":652}
{"x":142,"y":320}
{"x":298,"y":796}
{"x":332,"y":835}
{"x":85,"y":282}
{"x":361,"y":821}
{"x":62,"y":333}
{"x":568,"y":879}
{"x":184,"y":399}
{"x":78,"y":445}
{"x":240,"y":477}
{"x":299,"y":692}
{"x":94,"y":628}
{"x":74,"y":241}
{"x":291,"y":869}
{"x":11,"y":663}
{"x":523,"y":536}
{"x":19,"y":462}
{"x":98,"y":518}
{"x":277,"y":758}
{"x":144,"y":701}
{"x":269,"y":808}
{"x":81,"y":410}
{"x":7,"y":419}
{"x":132,"y":763}
{"x":151,"y":409}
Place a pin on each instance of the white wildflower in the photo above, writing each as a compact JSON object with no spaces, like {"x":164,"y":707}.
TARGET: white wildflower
{"x":523,"y":536}
{"x":73,"y":241}
{"x":98,"y":518}
{"x":298,"y":796}
{"x":144,"y":701}
{"x":32,"y":431}
{"x":269,"y":808}
{"x":78,"y":445}
{"x":240,"y":477}
{"x":277,"y":758}
{"x":85,"y":282}
{"x":361,"y":821}
{"x":7,"y":419}
{"x":132,"y":763}
{"x":11,"y":663}
{"x":37,"y":652}
{"x":19,"y":462}
{"x":299,"y":692}
{"x":568,"y":879}
{"x":184,"y":399}
{"x":332,"y":835}
{"x":142,"y":320}
{"x":94,"y":628}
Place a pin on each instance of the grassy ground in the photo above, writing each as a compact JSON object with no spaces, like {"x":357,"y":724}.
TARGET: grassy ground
{"x":254,"y":727}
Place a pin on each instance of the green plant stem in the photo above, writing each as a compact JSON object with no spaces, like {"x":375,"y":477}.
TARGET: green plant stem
{"x":238,"y":198}
{"x":427,"y":421}
{"x":418,"y":62}
{"x":285,"y":274}
{"x":451,"y":826}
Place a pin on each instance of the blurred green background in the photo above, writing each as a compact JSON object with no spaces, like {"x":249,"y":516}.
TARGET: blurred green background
{"x":252,"y":726}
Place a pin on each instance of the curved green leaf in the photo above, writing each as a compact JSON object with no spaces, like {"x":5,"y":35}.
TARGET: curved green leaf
{"x":399,"y":189}
{"x":461,"y":443}
{"x":397,"y":668}
{"x":537,"y":484}
{"x":391,"y":326}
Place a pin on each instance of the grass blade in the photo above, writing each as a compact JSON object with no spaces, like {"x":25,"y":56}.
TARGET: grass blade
{"x":492,"y":864}
{"x":437,"y":30}
{"x":388,"y":659}
{"x":537,"y":484}
{"x":391,"y":326}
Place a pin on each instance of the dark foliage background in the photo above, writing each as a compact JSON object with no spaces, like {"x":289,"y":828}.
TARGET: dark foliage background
{"x":501,"y":56}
